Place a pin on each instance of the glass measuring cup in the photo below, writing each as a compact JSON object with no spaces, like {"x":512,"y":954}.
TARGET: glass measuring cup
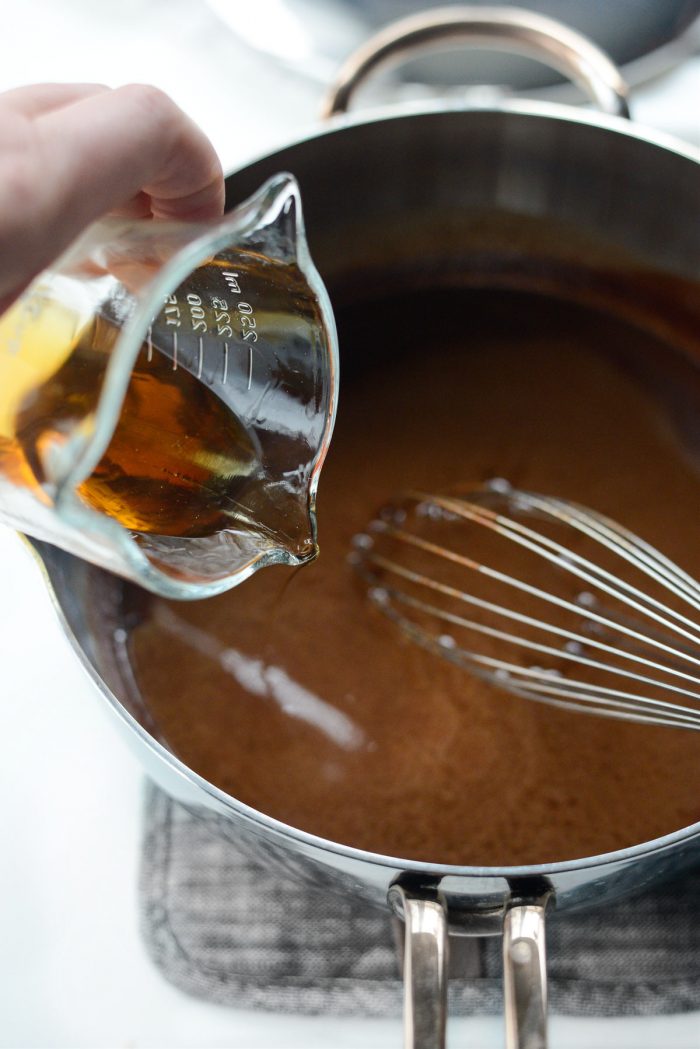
{"x":167,"y":396}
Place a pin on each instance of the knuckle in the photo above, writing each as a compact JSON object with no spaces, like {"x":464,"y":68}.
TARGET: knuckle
{"x":18,"y":172}
{"x":152,"y":100}
{"x":22,"y":217}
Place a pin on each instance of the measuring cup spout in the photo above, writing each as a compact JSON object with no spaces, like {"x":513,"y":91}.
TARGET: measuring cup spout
{"x":284,"y":520}
{"x":302,"y":544}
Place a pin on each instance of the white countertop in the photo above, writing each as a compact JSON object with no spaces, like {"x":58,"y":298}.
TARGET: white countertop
{"x":73,"y":971}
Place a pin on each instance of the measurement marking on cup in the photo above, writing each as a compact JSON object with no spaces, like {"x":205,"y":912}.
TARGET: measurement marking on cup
{"x":200,"y":360}
{"x":250,"y":366}
{"x":225,"y":362}
{"x":149,"y":338}
{"x":174,"y":351}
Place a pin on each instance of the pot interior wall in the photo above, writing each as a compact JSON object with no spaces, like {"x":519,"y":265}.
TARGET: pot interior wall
{"x":423,"y":193}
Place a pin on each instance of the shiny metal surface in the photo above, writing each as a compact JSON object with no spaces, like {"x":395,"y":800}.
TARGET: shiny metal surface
{"x":525,"y":977}
{"x":425,"y":957}
{"x":403,"y":201}
{"x":613,"y":649}
{"x":498,"y":28}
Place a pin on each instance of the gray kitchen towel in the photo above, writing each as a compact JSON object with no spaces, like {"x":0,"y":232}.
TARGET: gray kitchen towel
{"x":221,"y":928}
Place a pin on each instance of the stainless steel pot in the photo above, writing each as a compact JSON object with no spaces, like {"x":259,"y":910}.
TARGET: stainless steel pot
{"x":409,"y":198}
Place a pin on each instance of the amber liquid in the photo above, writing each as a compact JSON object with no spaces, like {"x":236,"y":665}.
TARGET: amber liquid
{"x":179,"y":457}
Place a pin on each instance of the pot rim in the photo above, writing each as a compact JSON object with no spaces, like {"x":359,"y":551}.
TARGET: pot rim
{"x":557,"y":111}
{"x":339,"y":124}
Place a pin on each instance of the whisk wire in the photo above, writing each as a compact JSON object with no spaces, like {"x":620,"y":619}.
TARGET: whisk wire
{"x":604,"y":700}
{"x":637,"y":553}
{"x":532,"y":591}
{"x":649,"y":554}
{"x":649,"y":641}
{"x":494,"y":632}
{"x":562,"y":557}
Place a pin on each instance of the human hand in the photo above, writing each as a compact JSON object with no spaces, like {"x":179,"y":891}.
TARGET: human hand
{"x":70,"y":153}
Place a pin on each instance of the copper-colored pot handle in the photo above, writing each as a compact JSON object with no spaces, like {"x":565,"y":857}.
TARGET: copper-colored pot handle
{"x":492,"y":28}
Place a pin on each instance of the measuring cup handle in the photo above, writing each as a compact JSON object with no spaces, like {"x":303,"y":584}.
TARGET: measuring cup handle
{"x":525,"y":976}
{"x":424,"y":967}
{"x":491,"y":28}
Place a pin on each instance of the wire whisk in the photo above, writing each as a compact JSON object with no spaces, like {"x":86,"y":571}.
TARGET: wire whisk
{"x":541,"y":597}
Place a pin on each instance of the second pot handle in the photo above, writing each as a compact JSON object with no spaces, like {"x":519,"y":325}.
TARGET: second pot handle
{"x":425,"y":959}
{"x":494,"y":28}
{"x":525,"y":976}
{"x":425,"y":949}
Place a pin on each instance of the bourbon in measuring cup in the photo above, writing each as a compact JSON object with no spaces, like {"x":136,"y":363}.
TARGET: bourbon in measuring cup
{"x":164,"y":385}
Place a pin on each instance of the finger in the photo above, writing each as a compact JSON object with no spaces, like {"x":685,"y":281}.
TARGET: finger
{"x":139,"y":207}
{"x":109,"y":148}
{"x":35,"y":100}
{"x":64,"y":169}
{"x":38,"y":99}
